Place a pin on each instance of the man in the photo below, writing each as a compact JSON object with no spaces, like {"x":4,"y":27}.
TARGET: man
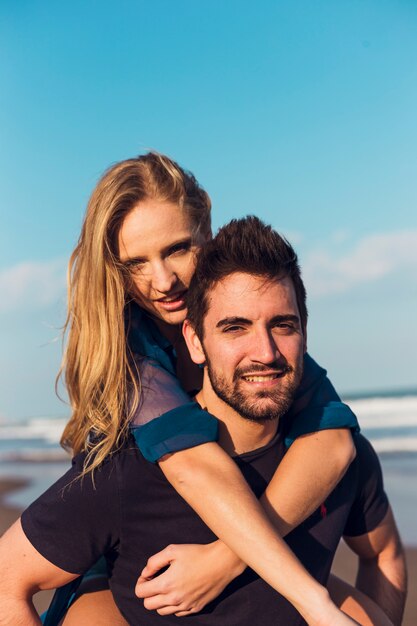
{"x":247,"y":326}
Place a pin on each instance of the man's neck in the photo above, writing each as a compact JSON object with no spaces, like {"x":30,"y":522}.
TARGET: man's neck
{"x":237,"y":434}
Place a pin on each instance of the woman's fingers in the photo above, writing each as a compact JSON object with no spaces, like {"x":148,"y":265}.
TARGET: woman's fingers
{"x":168,"y":605}
{"x":147,"y":588}
{"x":156,"y":562}
{"x":163,"y":602}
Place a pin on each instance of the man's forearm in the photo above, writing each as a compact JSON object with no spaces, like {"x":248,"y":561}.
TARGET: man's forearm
{"x":385,"y":581}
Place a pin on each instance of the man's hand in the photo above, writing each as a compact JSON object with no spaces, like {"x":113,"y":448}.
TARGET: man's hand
{"x":196,"y":575}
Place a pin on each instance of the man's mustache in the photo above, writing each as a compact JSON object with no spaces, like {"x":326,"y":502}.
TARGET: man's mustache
{"x":281,"y":367}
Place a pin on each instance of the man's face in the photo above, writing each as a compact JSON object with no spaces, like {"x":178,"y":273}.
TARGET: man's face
{"x":254,"y":345}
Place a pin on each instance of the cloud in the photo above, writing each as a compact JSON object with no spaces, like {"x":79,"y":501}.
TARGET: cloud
{"x":326,"y":270}
{"x":32,"y":284}
{"x":372,"y":258}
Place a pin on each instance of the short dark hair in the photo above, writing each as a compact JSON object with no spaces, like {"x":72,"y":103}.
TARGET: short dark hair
{"x":245,"y":245}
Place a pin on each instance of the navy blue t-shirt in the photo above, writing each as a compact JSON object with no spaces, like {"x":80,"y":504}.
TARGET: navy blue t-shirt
{"x":134,"y":512}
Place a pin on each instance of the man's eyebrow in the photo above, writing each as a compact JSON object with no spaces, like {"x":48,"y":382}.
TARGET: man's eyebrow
{"x":233,"y":320}
{"x":285,"y":318}
{"x":277,"y":319}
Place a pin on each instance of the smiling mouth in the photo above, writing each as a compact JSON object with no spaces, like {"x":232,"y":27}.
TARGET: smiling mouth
{"x":261,"y":379}
{"x":180,"y":295}
{"x":172,"y":303}
{"x":264,"y":376}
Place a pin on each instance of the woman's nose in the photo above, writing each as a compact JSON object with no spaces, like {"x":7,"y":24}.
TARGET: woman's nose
{"x":163,"y":277}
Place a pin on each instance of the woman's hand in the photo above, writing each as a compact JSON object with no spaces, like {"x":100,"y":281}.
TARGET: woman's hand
{"x":196,"y":575}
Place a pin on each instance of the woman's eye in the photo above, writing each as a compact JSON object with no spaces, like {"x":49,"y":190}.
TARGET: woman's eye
{"x":135,"y":265}
{"x":180,"y":247}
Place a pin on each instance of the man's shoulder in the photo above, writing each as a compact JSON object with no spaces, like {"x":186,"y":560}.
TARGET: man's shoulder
{"x":370,"y":503}
{"x":365,"y":470}
{"x":366,"y":457}
{"x":118,"y":461}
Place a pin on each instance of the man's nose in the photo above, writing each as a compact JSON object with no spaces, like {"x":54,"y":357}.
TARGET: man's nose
{"x":163,"y":277}
{"x":265,"y":348}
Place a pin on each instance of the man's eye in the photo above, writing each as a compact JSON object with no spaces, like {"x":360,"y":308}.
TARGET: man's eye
{"x":232,"y":329}
{"x":285,"y":327}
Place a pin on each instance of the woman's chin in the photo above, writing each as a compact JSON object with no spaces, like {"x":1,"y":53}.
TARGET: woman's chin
{"x":172,"y":318}
{"x":159,"y":313}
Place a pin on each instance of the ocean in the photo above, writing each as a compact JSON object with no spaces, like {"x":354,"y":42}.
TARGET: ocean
{"x":30,"y":449}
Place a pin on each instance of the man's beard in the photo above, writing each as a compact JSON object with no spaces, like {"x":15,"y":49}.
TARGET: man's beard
{"x":254,"y":406}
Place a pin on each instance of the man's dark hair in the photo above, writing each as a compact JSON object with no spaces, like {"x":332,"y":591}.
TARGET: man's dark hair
{"x":245,"y":245}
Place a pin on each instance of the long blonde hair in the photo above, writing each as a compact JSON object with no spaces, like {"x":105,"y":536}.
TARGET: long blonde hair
{"x":100,"y":375}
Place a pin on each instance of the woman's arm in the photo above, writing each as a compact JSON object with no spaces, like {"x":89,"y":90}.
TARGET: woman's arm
{"x":307,"y":474}
{"x":318,"y":431}
{"x":198,"y":574}
{"x":207,"y":469}
{"x":238,"y":519}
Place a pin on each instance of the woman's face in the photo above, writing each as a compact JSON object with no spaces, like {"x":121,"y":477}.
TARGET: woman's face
{"x":157,"y":246}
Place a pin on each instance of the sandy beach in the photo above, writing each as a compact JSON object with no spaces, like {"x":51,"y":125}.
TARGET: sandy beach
{"x":344,"y":565}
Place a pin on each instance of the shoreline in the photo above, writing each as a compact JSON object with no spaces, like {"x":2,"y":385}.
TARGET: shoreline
{"x":8,"y":513}
{"x":344,"y":564}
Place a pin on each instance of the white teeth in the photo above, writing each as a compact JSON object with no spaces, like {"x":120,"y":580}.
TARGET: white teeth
{"x":259,"y":379}
{"x":173,"y":299}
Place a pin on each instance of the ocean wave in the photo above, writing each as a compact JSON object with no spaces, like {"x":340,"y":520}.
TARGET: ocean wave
{"x":395,"y":445}
{"x":48,"y":430}
{"x":387,"y":412}
{"x":34,"y":455}
{"x":382,"y":419}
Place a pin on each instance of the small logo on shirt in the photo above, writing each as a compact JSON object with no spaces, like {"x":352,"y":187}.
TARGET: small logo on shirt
{"x":323,"y":510}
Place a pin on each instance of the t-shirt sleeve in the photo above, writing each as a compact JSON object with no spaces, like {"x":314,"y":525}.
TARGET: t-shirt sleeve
{"x":160,"y":392}
{"x":75,"y":521}
{"x":317,"y":405}
{"x":167,"y":420}
{"x":371,"y":503}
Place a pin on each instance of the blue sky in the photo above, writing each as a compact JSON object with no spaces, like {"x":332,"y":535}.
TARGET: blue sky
{"x":300,"y":112}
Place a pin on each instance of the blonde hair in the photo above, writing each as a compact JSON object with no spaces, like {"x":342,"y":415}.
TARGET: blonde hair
{"x":100,"y":375}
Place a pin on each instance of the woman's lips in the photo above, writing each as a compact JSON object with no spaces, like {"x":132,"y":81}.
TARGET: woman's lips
{"x":172,"y":303}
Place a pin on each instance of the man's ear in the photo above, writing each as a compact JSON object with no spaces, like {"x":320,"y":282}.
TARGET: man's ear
{"x":193,"y":343}
{"x":305,"y":339}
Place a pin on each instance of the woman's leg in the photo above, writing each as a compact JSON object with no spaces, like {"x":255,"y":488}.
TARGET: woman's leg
{"x":97,"y":607}
{"x":93,"y":607}
{"x":356,"y":604}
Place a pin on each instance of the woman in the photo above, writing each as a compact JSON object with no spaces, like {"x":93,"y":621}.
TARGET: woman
{"x":145,"y":222}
